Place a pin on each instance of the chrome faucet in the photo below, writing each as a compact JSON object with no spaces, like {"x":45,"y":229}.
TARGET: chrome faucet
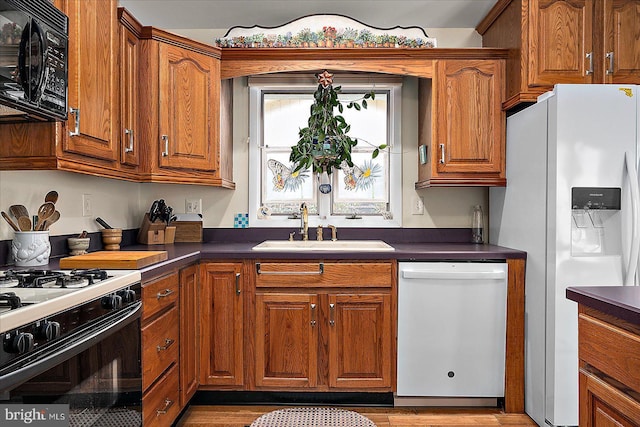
{"x":304,"y":221}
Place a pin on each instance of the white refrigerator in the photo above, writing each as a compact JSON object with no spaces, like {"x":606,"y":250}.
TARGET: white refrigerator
{"x":571,"y":202}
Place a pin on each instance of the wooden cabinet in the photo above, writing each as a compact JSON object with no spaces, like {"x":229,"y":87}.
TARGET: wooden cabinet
{"x":324,"y":326}
{"x":92,"y":89}
{"x":129,"y":45}
{"x":160,"y":350}
{"x":359,"y":340}
{"x":564,"y":41}
{"x":461,"y":125}
{"x":609,"y":378}
{"x":286,"y":340}
{"x":189,"y":333}
{"x":180,"y":111}
{"x":221,"y":321}
{"x":621,"y":34}
{"x":89,"y":141}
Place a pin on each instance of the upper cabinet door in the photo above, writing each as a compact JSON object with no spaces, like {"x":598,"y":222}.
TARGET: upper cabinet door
{"x":560,"y":42}
{"x":93,"y":94}
{"x":189,"y":93}
{"x":468,"y":133}
{"x":622,"y":48}
{"x":129,"y":130}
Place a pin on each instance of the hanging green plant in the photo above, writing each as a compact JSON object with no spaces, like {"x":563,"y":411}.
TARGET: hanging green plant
{"x":325,"y":144}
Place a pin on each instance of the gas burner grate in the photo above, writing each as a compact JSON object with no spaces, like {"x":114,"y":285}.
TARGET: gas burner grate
{"x":52,"y":278}
{"x":10,"y":299}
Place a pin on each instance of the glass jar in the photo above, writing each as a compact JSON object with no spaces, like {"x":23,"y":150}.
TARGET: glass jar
{"x":477,"y":224}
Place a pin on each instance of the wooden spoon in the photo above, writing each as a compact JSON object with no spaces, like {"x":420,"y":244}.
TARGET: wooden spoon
{"x":49,"y":221}
{"x":52,"y":196}
{"x":45,"y":211}
{"x":24,"y":223}
{"x":11,"y":223}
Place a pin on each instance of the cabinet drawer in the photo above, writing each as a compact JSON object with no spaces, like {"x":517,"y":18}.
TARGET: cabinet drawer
{"x":159,"y":346}
{"x":597,"y":339}
{"x":160,"y":404}
{"x":314,"y":274}
{"x":159,"y":294}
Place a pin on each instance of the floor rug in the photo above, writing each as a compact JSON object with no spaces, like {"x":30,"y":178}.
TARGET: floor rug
{"x":317,"y":417}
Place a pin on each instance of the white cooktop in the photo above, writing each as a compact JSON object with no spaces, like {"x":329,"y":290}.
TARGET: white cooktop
{"x":49,"y":301}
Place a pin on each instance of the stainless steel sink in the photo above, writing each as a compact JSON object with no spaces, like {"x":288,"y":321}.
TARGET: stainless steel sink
{"x":324,"y":245}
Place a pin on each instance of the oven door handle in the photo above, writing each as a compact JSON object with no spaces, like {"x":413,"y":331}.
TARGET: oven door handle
{"x":65,"y":348}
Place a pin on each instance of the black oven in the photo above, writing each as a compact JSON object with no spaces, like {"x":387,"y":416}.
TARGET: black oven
{"x":85,"y":358}
{"x":33,"y":61}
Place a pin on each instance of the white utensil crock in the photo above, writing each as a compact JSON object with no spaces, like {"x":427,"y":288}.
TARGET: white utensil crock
{"x":31,"y":248}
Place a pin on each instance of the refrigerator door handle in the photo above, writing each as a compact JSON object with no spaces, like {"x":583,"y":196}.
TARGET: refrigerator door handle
{"x":629,"y":279}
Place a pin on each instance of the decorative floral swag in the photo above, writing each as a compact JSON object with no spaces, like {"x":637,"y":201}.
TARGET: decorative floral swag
{"x":328,"y":37}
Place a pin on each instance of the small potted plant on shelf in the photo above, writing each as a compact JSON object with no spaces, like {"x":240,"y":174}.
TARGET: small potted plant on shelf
{"x":325,"y":144}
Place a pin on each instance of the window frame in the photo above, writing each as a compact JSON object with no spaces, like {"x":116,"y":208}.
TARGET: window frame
{"x":295,"y":83}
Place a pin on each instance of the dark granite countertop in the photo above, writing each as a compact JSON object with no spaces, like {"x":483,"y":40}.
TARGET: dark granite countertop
{"x":231,"y":244}
{"x":622,"y":302}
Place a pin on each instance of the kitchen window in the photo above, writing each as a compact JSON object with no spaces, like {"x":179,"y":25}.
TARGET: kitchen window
{"x":359,"y":196}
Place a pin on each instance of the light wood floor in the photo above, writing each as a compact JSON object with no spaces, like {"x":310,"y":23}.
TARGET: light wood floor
{"x":241,"y":416}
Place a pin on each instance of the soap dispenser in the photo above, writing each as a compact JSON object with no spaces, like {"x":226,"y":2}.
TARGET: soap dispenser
{"x":477,"y":223}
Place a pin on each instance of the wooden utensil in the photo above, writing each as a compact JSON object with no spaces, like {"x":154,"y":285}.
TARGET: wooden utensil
{"x":18,"y":210}
{"x":11,"y":223}
{"x":24,"y":223}
{"x":49,"y":221}
{"x":52,"y":196}
{"x":45,"y":211}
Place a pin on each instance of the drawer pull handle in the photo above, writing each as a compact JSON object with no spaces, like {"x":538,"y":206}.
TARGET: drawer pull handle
{"x":313,"y":315}
{"x":237,"y":283}
{"x":168,"y":342}
{"x":76,"y":113}
{"x":332,"y":314}
{"x":291,"y":273}
{"x":589,"y":70}
{"x":442,"y":154}
{"x":609,"y":56}
{"x":164,"y":294}
{"x":165,"y":151}
{"x":167,"y":404}
{"x":129,"y":147}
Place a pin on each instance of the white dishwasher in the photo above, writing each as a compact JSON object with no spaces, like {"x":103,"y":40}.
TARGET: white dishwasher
{"x":451,"y":329}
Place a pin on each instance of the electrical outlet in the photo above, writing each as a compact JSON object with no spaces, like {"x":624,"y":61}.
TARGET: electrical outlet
{"x":193,"y":206}
{"x":417,"y":205}
{"x":87,"y":205}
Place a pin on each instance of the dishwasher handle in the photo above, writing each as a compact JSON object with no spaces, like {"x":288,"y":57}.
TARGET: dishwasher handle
{"x":454,"y":275}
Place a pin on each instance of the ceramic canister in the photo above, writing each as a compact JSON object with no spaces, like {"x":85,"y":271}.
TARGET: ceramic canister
{"x":31,"y":248}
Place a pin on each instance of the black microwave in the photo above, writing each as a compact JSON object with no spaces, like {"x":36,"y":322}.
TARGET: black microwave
{"x":33,"y":61}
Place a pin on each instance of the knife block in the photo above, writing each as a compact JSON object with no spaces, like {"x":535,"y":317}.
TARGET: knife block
{"x":152,"y":233}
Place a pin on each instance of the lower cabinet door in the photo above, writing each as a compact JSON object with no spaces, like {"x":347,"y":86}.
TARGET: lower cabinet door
{"x":221,"y":324}
{"x":603,"y":405}
{"x":286,"y":340}
{"x":360,"y":341}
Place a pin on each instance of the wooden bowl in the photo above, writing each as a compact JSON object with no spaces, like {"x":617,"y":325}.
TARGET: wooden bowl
{"x":111,"y":238}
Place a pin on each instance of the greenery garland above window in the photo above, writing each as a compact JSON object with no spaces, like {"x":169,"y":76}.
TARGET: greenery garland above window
{"x":324,"y":144}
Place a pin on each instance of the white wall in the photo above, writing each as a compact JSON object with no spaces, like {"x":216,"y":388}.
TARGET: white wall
{"x":122,"y":204}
